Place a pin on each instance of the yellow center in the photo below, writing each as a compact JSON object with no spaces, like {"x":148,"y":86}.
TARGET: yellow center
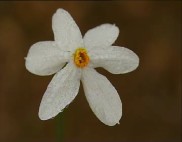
{"x":81,"y":57}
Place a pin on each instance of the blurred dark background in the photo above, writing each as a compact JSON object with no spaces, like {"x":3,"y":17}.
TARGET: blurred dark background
{"x":151,"y":95}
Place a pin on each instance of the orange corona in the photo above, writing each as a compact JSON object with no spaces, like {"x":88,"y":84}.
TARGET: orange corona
{"x":81,"y":58}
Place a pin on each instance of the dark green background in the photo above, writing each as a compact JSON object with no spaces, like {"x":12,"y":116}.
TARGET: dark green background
{"x":150,"y":95}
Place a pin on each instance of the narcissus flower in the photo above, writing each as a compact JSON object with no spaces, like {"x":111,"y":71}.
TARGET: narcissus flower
{"x":72,"y":59}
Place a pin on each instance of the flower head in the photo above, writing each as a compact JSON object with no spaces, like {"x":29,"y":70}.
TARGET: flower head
{"x":72,"y":59}
{"x":81,"y":58}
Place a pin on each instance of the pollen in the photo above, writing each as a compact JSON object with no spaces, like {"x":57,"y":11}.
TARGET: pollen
{"x":81,"y":58}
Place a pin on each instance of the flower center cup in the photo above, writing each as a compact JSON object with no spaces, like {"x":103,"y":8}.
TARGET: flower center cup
{"x":81,"y":58}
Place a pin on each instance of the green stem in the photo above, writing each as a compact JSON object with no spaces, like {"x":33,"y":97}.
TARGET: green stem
{"x":59,"y":128}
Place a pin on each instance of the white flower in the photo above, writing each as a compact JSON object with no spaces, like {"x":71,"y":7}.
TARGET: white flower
{"x":80,"y":56}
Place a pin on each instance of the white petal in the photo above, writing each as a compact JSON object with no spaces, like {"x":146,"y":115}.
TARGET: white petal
{"x":45,"y":58}
{"x":60,"y":92}
{"x":102,"y":97}
{"x":66,"y":32}
{"x":103,"y":35}
{"x":115,"y":59}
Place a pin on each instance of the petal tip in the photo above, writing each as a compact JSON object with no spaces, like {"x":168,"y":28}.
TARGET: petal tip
{"x":112,"y":123}
{"x":60,"y":10}
{"x":42,"y":117}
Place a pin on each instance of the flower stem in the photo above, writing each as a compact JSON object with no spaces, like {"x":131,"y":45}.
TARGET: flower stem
{"x":59,"y":128}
